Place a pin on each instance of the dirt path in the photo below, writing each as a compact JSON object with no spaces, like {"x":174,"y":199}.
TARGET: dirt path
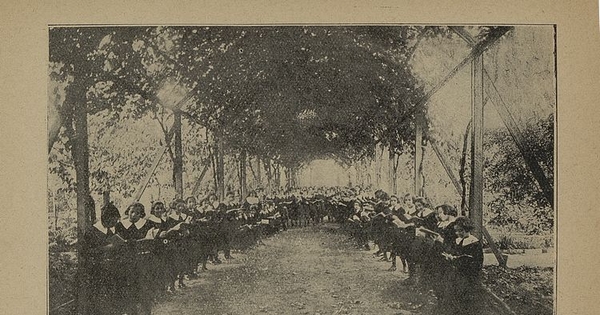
{"x":314,"y":270}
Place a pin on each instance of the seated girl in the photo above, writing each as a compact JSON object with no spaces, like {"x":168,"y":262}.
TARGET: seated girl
{"x":98,"y":248}
{"x":466,"y":258}
{"x":135,"y":227}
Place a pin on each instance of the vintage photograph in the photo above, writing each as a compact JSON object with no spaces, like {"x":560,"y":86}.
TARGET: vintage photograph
{"x":301,"y":169}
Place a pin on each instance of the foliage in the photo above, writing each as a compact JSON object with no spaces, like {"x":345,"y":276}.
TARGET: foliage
{"x":62,"y":270}
{"x":284,"y":94}
{"x":518,"y":200}
{"x":527,"y":290}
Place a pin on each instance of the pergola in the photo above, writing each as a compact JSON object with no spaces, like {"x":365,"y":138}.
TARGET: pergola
{"x":483,"y":90}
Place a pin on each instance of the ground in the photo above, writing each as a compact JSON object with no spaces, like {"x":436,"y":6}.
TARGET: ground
{"x":313,"y":270}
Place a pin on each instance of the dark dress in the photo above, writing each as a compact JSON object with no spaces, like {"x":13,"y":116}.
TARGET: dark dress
{"x":176,"y":248}
{"x":102,"y":271}
{"x":159,"y":260}
{"x":463,"y":281}
{"x":441,"y":267}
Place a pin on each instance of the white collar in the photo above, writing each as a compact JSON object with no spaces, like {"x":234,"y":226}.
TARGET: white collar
{"x":444,"y":224}
{"x":179,"y":217}
{"x":425,"y":212}
{"x":154,"y":219}
{"x":126,"y":223}
{"x":140,"y":223}
{"x":467,"y":240}
{"x":98,"y":225}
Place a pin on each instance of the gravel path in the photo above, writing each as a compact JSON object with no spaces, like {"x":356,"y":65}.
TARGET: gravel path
{"x":313,"y":270}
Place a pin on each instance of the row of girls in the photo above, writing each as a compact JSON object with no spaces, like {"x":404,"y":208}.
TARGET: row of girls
{"x":437,"y":246}
{"x":131,"y":260}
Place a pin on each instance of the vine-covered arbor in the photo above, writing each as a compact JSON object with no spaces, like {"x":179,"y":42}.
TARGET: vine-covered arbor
{"x":257,"y":104}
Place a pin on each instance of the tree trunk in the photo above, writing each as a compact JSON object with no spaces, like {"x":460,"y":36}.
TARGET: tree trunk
{"x":80,"y":154}
{"x":178,"y":157}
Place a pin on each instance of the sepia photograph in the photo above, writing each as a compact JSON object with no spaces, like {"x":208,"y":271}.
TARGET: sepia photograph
{"x":302,"y":169}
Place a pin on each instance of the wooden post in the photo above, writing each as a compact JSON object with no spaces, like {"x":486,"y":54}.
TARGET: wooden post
{"x":178,"y":156}
{"x":476,"y":191}
{"x":418,"y":188}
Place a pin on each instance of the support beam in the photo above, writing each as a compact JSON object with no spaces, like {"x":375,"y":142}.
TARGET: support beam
{"x":144,"y":183}
{"x":446,"y":164}
{"x":476,"y":191}
{"x":198,"y":184}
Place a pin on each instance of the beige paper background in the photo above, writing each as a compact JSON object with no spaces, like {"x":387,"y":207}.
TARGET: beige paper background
{"x":23,"y":77}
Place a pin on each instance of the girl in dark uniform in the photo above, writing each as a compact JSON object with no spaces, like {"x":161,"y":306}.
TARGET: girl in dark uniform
{"x":466,"y":258}
{"x":138,"y":262}
{"x":98,"y":250}
{"x":135,"y":227}
{"x":445,"y":241}
{"x":177,"y":234}
{"x":158,"y":219}
{"x":161,"y":274}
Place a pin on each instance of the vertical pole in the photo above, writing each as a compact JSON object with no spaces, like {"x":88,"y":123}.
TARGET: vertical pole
{"x":418,"y":189}
{"x":178,"y":163}
{"x":476,"y":192}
